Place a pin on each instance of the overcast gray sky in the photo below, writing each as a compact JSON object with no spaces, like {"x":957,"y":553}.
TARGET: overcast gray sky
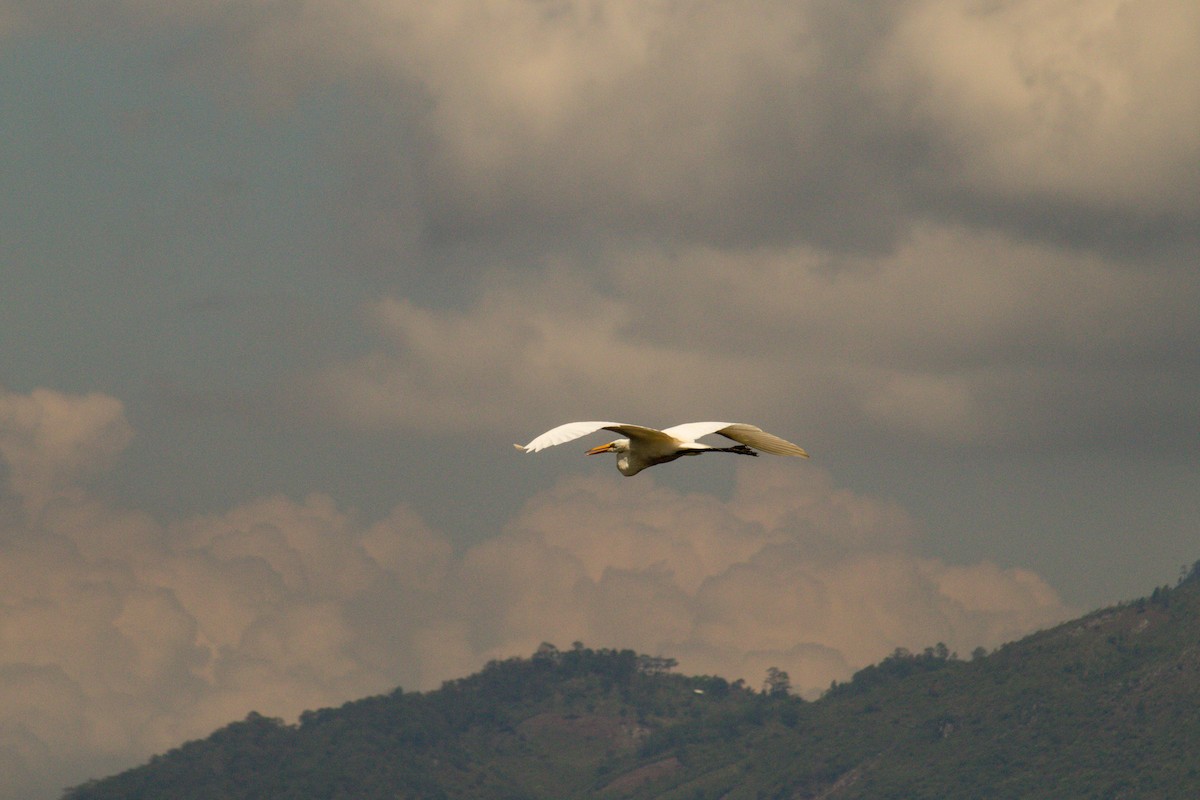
{"x":281,"y":283}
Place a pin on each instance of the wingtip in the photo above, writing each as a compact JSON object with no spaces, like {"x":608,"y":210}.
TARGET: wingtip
{"x":520,"y":447}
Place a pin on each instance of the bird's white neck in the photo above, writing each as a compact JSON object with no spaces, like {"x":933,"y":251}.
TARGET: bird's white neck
{"x":625,"y":467}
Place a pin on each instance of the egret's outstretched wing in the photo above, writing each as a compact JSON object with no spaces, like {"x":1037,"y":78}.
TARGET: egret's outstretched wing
{"x":758,"y":438}
{"x":573,"y":430}
{"x":691,"y":431}
{"x":643,"y":436}
{"x":750,"y":435}
{"x":563,"y":433}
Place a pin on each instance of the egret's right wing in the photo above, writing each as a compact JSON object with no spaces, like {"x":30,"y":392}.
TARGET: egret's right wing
{"x":573,"y":430}
{"x":563,"y":433}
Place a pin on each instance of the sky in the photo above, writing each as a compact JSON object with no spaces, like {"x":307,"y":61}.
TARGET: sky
{"x":281,"y":283}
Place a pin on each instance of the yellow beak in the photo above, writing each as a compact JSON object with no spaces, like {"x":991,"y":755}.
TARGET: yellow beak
{"x":604,"y":448}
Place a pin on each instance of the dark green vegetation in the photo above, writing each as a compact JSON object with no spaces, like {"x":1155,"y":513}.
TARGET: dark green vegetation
{"x":1107,"y":706}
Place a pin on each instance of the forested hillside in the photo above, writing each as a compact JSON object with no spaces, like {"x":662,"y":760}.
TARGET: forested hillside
{"x":1106,"y":706}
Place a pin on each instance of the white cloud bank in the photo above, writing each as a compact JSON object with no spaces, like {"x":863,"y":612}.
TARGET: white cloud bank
{"x":121,"y":636}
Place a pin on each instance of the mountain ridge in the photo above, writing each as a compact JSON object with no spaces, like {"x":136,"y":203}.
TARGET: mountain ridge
{"x":1106,"y":705}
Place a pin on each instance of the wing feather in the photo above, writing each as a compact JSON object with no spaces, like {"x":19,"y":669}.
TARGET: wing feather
{"x":691,"y":431}
{"x":573,"y":430}
{"x":563,"y":433}
{"x":741,"y":432}
{"x":750,"y":435}
{"x":758,"y":438}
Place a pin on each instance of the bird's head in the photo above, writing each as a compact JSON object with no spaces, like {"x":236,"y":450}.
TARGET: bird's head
{"x":618,"y":446}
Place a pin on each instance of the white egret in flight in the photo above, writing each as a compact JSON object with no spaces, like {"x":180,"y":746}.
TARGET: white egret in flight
{"x":646,"y":447}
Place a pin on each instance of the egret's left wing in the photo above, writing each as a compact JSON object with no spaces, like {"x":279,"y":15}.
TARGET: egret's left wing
{"x":691,"y":431}
{"x":750,"y":435}
{"x":651,"y":437}
{"x":758,"y":438}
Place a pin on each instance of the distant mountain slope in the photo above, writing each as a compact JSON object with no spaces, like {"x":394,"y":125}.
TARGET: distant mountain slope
{"x":1107,"y":706}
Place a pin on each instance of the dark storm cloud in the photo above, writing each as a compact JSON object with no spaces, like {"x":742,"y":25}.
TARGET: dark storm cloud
{"x":821,"y":123}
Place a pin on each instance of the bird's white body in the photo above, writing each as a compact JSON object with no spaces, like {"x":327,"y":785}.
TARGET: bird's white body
{"x":646,"y":447}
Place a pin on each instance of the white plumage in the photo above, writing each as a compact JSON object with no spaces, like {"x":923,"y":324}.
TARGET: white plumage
{"x":644,"y":447}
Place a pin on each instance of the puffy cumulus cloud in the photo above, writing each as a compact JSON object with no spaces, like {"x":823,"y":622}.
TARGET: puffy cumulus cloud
{"x":122,"y":636}
{"x":48,"y":438}
{"x":789,"y":572}
{"x":690,"y":537}
{"x":1091,"y":103}
{"x":958,"y":337}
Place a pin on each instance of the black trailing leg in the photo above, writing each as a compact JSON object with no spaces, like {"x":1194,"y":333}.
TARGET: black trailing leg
{"x":740,"y":449}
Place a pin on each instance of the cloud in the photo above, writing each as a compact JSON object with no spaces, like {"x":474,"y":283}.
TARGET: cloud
{"x":958,"y":337}
{"x":534,"y":346}
{"x":123,"y":636}
{"x":512,"y":127}
{"x":648,"y":118}
{"x":830,"y":125}
{"x":949,"y":227}
{"x":1091,"y":103}
{"x":788,"y":568}
{"x":47,"y":439}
